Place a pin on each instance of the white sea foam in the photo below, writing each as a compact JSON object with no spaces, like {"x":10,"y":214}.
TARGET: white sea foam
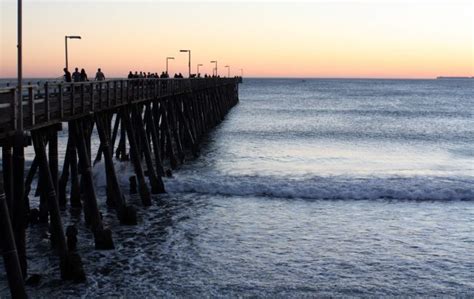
{"x":316,"y":187}
{"x":338,"y":187}
{"x":123,"y":170}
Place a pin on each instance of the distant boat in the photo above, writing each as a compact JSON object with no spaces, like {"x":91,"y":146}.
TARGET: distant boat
{"x":454,"y":77}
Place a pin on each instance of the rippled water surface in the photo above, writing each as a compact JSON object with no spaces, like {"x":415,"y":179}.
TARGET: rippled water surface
{"x":308,"y":188}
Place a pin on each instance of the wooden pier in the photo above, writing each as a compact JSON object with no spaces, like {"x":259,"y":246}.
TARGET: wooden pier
{"x":155,"y":123}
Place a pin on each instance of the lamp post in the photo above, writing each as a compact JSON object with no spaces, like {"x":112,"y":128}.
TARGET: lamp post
{"x":189,"y":60}
{"x":215,"y":68}
{"x":167,"y":59}
{"x":241,"y":72}
{"x":20,"y":66}
{"x":228,"y":70}
{"x":65,"y":45}
{"x":197,"y":71}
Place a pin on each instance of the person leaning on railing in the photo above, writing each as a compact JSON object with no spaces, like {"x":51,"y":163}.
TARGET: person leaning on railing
{"x":67,"y":75}
{"x":83,"y":76}
{"x":76,"y":76}
{"x":99,"y":76}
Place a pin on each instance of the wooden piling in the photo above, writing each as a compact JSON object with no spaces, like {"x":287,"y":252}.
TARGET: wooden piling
{"x":167,"y":132}
{"x":102,"y":237}
{"x":10,"y":254}
{"x":53,"y":156}
{"x":115,"y":132}
{"x":19,"y":209}
{"x":134,"y":154}
{"x":187,"y":128}
{"x":75,"y":197}
{"x":174,"y":125}
{"x":43,"y":205}
{"x":70,"y":265}
{"x":7,"y":170}
{"x":29,"y":180}
{"x":126,"y":214}
{"x":121,"y":153}
{"x":64,"y":176}
{"x":158,"y":118}
{"x":155,"y":181}
{"x":151,"y":126}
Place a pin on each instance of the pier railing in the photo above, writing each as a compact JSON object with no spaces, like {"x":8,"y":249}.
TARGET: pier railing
{"x":58,"y":102}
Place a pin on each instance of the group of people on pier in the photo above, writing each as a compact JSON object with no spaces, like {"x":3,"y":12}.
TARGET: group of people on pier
{"x":82,"y":75}
{"x":141,"y":75}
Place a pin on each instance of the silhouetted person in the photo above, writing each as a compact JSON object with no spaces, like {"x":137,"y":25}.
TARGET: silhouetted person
{"x":83,"y":77}
{"x":180,"y":75}
{"x":76,"y":76}
{"x":67,"y":75}
{"x":99,"y":76}
{"x":130,"y":75}
{"x":164,"y":75}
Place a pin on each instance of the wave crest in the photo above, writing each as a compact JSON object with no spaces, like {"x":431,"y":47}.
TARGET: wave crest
{"x":337,"y":187}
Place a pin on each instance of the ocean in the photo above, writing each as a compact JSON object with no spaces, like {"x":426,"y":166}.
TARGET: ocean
{"x":308,"y":188}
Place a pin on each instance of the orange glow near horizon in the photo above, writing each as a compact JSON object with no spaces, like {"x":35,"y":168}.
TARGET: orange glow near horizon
{"x":414,"y":39}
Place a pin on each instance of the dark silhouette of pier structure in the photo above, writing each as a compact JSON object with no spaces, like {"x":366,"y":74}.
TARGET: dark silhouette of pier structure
{"x":155,"y":123}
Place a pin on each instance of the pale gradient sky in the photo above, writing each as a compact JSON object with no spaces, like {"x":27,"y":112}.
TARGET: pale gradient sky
{"x":391,"y":39}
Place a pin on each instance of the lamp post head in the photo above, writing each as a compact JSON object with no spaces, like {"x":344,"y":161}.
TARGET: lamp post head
{"x":184,"y":50}
{"x":169,"y":57}
{"x":214,"y":61}
{"x":73,"y":36}
{"x":200,"y":64}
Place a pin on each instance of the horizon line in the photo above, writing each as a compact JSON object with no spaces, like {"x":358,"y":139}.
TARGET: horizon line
{"x":296,"y":77}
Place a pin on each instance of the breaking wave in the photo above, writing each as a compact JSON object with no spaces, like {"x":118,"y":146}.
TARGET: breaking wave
{"x":335,"y":187}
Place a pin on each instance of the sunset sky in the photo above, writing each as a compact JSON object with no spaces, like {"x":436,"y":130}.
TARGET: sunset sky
{"x":389,"y":39}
